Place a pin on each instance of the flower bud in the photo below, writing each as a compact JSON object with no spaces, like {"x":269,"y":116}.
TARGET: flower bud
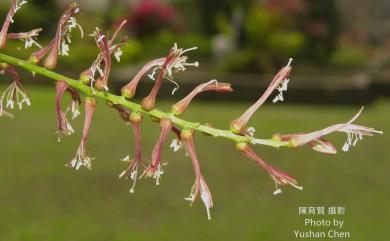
{"x":85,"y":76}
{"x":51,"y":59}
{"x":128,"y":91}
{"x":148,"y":103}
{"x":187,"y":134}
{"x":100,"y":85}
{"x":135,"y":117}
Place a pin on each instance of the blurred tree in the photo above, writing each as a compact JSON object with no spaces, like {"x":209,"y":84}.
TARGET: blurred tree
{"x":321,"y":23}
{"x":209,"y":10}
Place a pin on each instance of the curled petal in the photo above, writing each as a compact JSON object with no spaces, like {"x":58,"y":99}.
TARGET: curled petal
{"x":324,"y":146}
{"x":279,"y":177}
{"x":64,"y":127}
{"x":200,"y":186}
{"x":212,"y":85}
{"x":29,"y":38}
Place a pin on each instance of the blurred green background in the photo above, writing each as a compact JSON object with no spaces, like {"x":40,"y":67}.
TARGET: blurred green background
{"x":341,"y":56}
{"x":43,"y":200}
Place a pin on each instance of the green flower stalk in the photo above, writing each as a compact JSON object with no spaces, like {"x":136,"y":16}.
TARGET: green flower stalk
{"x":133,"y":113}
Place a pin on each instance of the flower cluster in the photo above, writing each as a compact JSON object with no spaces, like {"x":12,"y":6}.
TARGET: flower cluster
{"x":14,"y":95}
{"x":64,"y":127}
{"x":82,"y":157}
{"x":107,"y":47}
{"x":174,"y":62}
{"x":59,"y":45}
{"x":159,"y":69}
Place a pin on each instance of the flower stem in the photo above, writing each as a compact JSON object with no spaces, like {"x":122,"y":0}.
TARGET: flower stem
{"x":115,"y":99}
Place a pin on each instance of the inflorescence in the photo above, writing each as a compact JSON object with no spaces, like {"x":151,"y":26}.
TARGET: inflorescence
{"x":94,"y":82}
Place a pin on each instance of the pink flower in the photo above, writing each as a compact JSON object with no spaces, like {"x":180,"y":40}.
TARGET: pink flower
{"x":129,"y":89}
{"x":135,"y":119}
{"x":280,"y":178}
{"x":60,"y":43}
{"x":279,"y":82}
{"x":102,"y":43}
{"x":174,"y":62}
{"x":102,"y":63}
{"x":64,"y":127}
{"x":82,"y":157}
{"x":354,"y":133}
{"x":155,"y":168}
{"x":29,"y":38}
{"x":212,"y":85}
{"x":200,"y":185}
{"x":14,"y":94}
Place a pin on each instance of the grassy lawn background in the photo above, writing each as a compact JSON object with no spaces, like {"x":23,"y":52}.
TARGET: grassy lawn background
{"x":40,"y":199}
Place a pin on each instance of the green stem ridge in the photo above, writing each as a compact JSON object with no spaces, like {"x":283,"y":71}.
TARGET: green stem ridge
{"x":78,"y":85}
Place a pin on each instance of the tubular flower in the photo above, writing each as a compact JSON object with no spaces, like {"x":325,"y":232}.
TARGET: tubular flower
{"x":14,"y":94}
{"x":279,"y":82}
{"x":135,"y":119}
{"x":212,"y":85}
{"x":200,"y":185}
{"x":318,"y":144}
{"x":15,"y":6}
{"x":174,"y":62}
{"x":82,"y":157}
{"x":279,"y":177}
{"x":64,"y":127}
{"x":60,"y":43}
{"x":29,"y":38}
{"x":354,"y":133}
{"x":106,"y":47}
{"x":101,"y":42}
{"x":129,"y":89}
{"x":155,"y":168}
